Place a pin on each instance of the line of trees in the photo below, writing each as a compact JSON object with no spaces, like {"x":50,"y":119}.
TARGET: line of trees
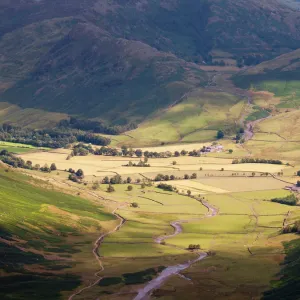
{"x":83,"y":150}
{"x":162,"y":177}
{"x":141,"y":163}
{"x":166,"y":187}
{"x":117,"y":179}
{"x":249,"y":160}
{"x":295,"y":228}
{"x":194,"y":247}
{"x":18,"y":162}
{"x":95,"y":126}
{"x":52,"y":138}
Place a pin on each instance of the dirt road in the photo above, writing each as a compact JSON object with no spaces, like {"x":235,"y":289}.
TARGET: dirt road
{"x":95,"y":253}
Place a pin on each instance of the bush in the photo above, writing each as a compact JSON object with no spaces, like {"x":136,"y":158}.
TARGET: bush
{"x":110,"y":189}
{"x":166,"y":187}
{"x":130,"y":188}
{"x":288,"y":200}
{"x":134,"y":204}
{"x":53,"y":167}
{"x":220,"y":134}
{"x":96,"y":186}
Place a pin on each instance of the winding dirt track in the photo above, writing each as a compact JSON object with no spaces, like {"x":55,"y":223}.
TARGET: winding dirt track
{"x":145,"y":292}
{"x":95,"y":252}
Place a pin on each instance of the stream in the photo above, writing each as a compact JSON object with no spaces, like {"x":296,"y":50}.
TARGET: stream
{"x":144,"y":293}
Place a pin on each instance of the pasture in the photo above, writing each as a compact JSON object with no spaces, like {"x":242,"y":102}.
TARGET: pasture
{"x":244,"y":235}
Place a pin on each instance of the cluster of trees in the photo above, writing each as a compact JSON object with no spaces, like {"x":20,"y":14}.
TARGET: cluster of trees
{"x":76,"y":176}
{"x":292,"y":229}
{"x":161,"y":177}
{"x":194,"y":247}
{"x":82,"y":150}
{"x":141,"y":163}
{"x":18,"y":162}
{"x":117,"y":179}
{"x":52,"y":138}
{"x":166,"y":187}
{"x":249,"y":160}
{"x":129,"y":152}
{"x":288,"y":200}
{"x":249,"y":60}
{"x":239,"y":135}
{"x":95,"y":126}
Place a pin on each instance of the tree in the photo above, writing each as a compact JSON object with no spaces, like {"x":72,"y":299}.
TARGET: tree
{"x":194,"y":176}
{"x":45,"y":168}
{"x":53,"y":167}
{"x":96,"y":185}
{"x":36,"y":167}
{"x":105,"y":180}
{"x":230,"y":151}
{"x":79,"y":173}
{"x":189,"y":192}
{"x":183,"y":152}
{"x":73,"y":177}
{"x":174,"y":163}
{"x":298,"y":173}
{"x":124,"y":150}
{"x":143,"y":185}
{"x":253,"y":174}
{"x":134,"y":204}
{"x":186,"y":176}
{"x":298,"y":183}
{"x":117,"y":179}
{"x":176,"y":153}
{"x":130,"y":188}
{"x":172,"y":177}
{"x":110,"y":189}
{"x":138,"y":152}
{"x":128,"y":180}
{"x":220,"y":134}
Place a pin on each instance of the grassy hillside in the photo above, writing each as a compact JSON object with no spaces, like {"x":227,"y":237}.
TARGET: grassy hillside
{"x":196,"y":119}
{"x":42,"y":234}
{"x":280,"y":76}
{"x":91,"y":74}
{"x":288,"y":287}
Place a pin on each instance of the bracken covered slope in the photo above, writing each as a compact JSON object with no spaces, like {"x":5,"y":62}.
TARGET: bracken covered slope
{"x":123,"y":60}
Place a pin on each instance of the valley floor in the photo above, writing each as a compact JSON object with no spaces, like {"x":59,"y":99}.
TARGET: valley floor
{"x":120,"y":249}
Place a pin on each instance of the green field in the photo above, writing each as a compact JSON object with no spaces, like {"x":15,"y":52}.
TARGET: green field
{"x":244,"y":235}
{"x":197,"y":118}
{"x":18,"y":148}
{"x":42,"y":233}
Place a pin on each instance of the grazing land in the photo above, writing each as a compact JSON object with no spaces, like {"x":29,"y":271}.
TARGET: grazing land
{"x":108,"y":240}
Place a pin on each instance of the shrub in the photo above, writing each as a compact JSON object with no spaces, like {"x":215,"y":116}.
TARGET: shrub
{"x":165,"y":187}
{"x":130,"y":188}
{"x":288,"y":200}
{"x":110,"y":189}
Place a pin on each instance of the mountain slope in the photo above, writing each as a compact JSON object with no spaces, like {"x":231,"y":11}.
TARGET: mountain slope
{"x":89,"y":73}
{"x":124,"y":60}
{"x":280,"y":76}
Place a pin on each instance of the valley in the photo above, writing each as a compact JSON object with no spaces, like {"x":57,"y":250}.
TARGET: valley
{"x":148,"y":246}
{"x":149,"y":150}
